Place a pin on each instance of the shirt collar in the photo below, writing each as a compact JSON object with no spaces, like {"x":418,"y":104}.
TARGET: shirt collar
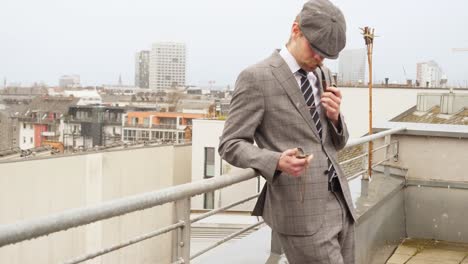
{"x":289,"y":59}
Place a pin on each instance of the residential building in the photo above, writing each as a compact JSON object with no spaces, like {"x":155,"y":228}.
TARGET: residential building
{"x":193,"y":106}
{"x":86,"y":97}
{"x":142,"y":63}
{"x":222,"y":106}
{"x":68,"y":81}
{"x":9,"y":133}
{"x":206,"y":163}
{"x":42,"y":120}
{"x":166,"y":127}
{"x":429,"y":75}
{"x":121,"y":89}
{"x":21,"y":95}
{"x":198,"y":91}
{"x":167,"y":65}
{"x":89,"y":126}
{"x":437,"y":108}
{"x":352,"y":67}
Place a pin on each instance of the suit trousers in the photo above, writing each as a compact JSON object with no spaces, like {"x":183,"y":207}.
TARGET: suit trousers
{"x":332,"y":244}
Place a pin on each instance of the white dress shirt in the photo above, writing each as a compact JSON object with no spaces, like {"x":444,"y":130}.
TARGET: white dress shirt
{"x":294,"y":67}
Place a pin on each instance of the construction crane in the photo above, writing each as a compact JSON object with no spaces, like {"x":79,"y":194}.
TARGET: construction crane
{"x":406,"y":77}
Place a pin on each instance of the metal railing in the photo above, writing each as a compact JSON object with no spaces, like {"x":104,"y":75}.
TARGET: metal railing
{"x":180,"y":195}
{"x":390,"y":153}
{"x":39,"y":120}
{"x":153,"y":126}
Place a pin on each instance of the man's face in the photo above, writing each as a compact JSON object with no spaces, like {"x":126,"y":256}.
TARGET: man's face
{"x":307,"y":58}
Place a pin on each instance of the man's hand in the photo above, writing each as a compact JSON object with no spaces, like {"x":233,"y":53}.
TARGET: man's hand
{"x":289,"y":164}
{"x":331,"y":101}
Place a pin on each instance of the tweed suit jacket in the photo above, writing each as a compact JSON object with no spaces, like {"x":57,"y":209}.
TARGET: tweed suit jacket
{"x":268,"y":115}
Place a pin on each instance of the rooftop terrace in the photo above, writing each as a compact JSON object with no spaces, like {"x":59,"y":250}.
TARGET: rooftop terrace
{"x":419,"y":189}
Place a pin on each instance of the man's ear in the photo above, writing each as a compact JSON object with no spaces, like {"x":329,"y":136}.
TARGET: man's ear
{"x":296,"y":30}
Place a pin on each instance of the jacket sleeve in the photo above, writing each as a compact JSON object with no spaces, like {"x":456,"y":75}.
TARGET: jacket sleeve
{"x":339,"y":135}
{"x":245,"y":115}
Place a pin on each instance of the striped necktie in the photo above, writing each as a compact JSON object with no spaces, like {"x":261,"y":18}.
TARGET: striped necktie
{"x":307,"y":91}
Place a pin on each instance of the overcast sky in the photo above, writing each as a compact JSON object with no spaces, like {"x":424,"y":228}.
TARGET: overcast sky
{"x":42,"y":40}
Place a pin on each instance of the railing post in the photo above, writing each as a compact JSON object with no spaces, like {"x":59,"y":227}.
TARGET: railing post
{"x":396,"y":151}
{"x":365,"y":162}
{"x":181,"y":246}
{"x":387,"y":154}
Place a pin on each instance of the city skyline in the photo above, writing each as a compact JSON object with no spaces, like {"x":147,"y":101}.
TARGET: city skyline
{"x":43,"y":41}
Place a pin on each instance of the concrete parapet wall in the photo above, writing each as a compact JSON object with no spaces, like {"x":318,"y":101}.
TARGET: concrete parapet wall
{"x":432,"y":158}
{"x":381,"y":231}
{"x":437,"y":213}
{"x":39,"y":187}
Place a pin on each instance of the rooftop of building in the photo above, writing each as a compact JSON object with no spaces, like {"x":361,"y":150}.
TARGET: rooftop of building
{"x":50,"y":104}
{"x":428,"y":251}
{"x":438,"y":108}
{"x":165,"y":114}
{"x":434,"y":116}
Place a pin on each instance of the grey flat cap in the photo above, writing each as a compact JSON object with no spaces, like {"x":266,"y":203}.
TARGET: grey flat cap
{"x":324,"y":26}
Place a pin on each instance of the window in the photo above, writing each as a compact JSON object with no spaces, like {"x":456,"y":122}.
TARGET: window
{"x":209,"y":162}
{"x":24,"y":139}
{"x":24,"y":125}
{"x":31,"y":140}
{"x":145,"y":135}
{"x":208,"y":200}
{"x":132,"y":135}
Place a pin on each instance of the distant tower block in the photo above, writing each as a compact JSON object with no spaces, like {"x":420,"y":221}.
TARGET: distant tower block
{"x":167,"y":65}
{"x":352,"y":66}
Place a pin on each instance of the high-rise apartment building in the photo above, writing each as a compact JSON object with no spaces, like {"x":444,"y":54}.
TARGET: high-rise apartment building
{"x":428,"y":74}
{"x":142,"y":60}
{"x":167,"y":65}
{"x":352,"y":67}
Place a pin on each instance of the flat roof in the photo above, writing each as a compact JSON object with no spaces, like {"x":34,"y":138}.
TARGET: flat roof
{"x":424,"y":129}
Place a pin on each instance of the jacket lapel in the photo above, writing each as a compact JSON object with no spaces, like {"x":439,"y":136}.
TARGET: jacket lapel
{"x":287,"y":81}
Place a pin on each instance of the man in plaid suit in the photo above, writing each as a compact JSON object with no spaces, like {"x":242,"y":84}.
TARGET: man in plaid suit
{"x":289,"y":101}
